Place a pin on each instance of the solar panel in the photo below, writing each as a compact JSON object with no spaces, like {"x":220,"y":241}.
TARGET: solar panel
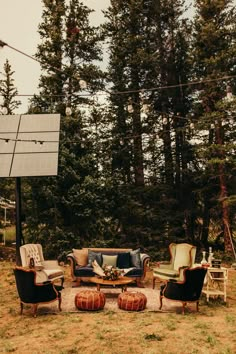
{"x":29,"y":145}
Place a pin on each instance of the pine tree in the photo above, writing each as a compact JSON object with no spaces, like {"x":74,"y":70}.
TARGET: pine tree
{"x":8,"y":91}
{"x":214,"y":58}
{"x":9,"y":104}
{"x":70,"y":205}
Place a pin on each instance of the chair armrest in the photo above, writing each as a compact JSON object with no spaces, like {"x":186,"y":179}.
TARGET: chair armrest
{"x":51,"y":264}
{"x":46,"y":292}
{"x":164,"y":264}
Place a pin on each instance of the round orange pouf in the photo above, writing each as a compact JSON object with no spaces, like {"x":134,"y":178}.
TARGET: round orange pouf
{"x":90,"y":300}
{"x":132,"y":301}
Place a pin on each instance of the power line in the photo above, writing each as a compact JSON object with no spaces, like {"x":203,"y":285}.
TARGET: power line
{"x":164,"y":87}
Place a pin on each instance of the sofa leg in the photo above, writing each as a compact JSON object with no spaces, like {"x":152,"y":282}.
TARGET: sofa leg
{"x":77,"y":283}
{"x":139,"y":283}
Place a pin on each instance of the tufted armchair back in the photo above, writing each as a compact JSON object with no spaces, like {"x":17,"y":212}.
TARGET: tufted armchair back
{"x":34,"y":251}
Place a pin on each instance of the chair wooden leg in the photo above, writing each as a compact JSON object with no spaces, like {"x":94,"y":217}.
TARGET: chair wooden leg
{"x":197,"y":305}
{"x":160,"y":303}
{"x":153,"y":282}
{"x":183,"y":307}
{"x":21,"y":307}
{"x":62,"y":281}
{"x":59,"y":303}
{"x":35,"y":307}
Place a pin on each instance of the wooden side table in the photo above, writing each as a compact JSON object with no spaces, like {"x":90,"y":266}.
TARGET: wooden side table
{"x":216,"y":281}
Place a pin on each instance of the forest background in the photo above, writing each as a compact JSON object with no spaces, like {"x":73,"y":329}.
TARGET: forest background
{"x":147,"y":147}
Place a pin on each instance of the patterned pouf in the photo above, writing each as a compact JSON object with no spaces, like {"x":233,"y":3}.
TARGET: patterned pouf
{"x":91,"y":300}
{"x":132,"y":301}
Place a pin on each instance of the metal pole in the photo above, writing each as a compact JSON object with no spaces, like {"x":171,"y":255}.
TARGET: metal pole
{"x":18,"y":220}
{"x":5,"y":225}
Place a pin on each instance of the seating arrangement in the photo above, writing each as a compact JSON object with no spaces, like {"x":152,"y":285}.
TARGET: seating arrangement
{"x":188,"y":290}
{"x":133,"y":262}
{"x":46,"y":270}
{"x":181,"y":255}
{"x":183,"y":280}
{"x":34,"y":294}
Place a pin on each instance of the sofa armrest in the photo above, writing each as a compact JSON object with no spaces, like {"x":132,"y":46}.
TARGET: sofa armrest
{"x":70,"y":257}
{"x":145,"y":258}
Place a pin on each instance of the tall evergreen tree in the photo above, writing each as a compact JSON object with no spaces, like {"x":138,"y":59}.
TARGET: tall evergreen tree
{"x":213,"y":59}
{"x":8,"y":91}
{"x":9,"y":104}
{"x":69,"y":205}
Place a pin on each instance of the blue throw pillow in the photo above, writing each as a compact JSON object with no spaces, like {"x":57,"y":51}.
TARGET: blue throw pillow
{"x":123,"y":260}
{"x":94,"y":255}
{"x":135,"y":258}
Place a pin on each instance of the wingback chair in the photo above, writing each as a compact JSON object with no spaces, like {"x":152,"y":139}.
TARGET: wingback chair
{"x":46,"y":270}
{"x":181,"y":255}
{"x":34,"y":294}
{"x":188,"y":290}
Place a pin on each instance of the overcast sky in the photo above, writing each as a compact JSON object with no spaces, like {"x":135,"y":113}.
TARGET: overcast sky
{"x":19,"y":20}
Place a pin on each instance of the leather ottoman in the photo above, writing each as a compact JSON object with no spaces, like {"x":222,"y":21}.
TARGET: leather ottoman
{"x":132,"y":301}
{"x":90,"y":300}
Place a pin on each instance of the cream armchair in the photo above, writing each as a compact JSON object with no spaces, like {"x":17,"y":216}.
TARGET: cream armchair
{"x":46,"y":270}
{"x":182,"y":255}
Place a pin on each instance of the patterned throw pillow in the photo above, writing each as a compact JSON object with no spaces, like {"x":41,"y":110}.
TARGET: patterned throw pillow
{"x":109,"y":260}
{"x":135,"y":258}
{"x":92,"y":256}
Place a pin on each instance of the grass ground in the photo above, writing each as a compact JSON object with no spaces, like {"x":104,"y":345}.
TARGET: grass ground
{"x":212,"y":330}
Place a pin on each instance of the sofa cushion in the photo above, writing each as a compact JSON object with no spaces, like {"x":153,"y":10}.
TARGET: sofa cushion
{"x":135,"y":258}
{"x":81,"y":257}
{"x":84,"y":271}
{"x":123,"y":260}
{"x":92,"y":256}
{"x":109,"y":260}
{"x":134,"y":272}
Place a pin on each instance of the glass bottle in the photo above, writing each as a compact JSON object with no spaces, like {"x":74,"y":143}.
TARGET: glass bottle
{"x":203,"y":261}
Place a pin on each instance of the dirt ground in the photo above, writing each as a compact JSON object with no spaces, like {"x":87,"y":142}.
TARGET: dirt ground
{"x":211,"y":330}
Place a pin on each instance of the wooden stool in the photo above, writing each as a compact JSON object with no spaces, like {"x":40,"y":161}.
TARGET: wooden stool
{"x":90,"y":300}
{"x":132,"y":301}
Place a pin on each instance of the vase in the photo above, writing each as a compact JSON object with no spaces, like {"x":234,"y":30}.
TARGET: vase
{"x":203,"y":261}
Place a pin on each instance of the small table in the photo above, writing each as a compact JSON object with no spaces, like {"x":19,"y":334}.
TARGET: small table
{"x":122,"y":281}
{"x":216,"y":280}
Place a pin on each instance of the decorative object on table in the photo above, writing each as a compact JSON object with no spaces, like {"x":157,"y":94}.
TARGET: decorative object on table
{"x":90,"y":300}
{"x":107,"y":272}
{"x":203,"y":261}
{"x":211,"y":256}
{"x":111,"y":273}
{"x":132,"y":301}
